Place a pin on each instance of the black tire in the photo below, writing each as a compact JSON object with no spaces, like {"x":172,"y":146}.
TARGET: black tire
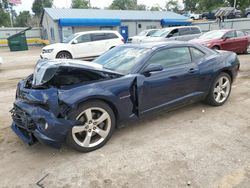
{"x":73,"y":115}
{"x":216,"y":48}
{"x":247,"y":50}
{"x":210,"y":99}
{"x":63,"y":55}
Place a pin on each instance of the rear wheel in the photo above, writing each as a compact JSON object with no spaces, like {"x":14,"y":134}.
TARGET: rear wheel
{"x":64,"y":55}
{"x":97,"y":126}
{"x":220,"y":90}
{"x":248,"y":49}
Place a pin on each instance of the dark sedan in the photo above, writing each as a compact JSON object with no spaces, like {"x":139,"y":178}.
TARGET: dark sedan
{"x":228,"y":39}
{"x":81,"y":103}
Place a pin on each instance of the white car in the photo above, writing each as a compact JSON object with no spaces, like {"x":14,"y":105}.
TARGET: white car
{"x":142,"y":35}
{"x":88,"y":44}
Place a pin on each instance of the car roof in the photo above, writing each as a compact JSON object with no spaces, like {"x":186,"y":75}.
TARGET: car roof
{"x":155,"y":45}
{"x":224,"y":30}
{"x":97,"y":31}
{"x":178,"y":27}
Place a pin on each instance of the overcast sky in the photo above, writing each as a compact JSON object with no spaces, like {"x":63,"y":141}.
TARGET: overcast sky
{"x":26,"y":4}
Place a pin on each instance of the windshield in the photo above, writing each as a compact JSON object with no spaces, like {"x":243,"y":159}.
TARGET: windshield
{"x":212,"y":35}
{"x":161,"y":33}
{"x":122,"y":59}
{"x":67,"y":40}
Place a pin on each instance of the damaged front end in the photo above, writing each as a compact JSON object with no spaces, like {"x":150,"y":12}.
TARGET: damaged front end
{"x":38,"y":112}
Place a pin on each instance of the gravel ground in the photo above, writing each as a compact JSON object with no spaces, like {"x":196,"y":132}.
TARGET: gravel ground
{"x":196,"y":146}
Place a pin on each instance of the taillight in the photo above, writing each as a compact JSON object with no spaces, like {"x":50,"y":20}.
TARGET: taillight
{"x":123,"y":40}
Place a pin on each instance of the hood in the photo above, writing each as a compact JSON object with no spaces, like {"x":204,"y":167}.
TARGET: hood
{"x":65,"y":72}
{"x":202,"y":41}
{"x":153,"y":39}
{"x":56,"y":45}
{"x":137,"y":38}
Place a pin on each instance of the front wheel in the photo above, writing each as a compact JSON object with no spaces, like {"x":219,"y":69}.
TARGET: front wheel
{"x":220,"y":90}
{"x":64,"y":55}
{"x":97,"y":126}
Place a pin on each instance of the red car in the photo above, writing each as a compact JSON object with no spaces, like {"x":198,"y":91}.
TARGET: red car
{"x":231,"y":40}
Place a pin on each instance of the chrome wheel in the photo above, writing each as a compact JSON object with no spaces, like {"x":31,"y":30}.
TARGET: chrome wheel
{"x":222,"y":89}
{"x":96,"y":125}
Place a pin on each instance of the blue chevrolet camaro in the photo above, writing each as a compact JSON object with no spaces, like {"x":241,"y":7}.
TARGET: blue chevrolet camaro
{"x":81,"y":103}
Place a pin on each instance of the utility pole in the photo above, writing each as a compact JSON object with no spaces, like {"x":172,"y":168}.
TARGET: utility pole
{"x":89,"y":4}
{"x":235,"y":1}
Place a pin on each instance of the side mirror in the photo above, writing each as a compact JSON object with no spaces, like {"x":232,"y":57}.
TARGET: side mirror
{"x":225,"y":38}
{"x":75,"y":41}
{"x":170,"y":35}
{"x":152,"y":68}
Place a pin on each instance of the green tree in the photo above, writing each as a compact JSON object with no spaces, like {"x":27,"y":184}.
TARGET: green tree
{"x":123,"y":5}
{"x":141,"y":7}
{"x":80,"y":4}
{"x":191,"y":5}
{"x":208,"y":5}
{"x":241,"y":4}
{"x":4,"y":18}
{"x":155,"y":8}
{"x":23,"y":19}
{"x":172,"y":5}
{"x":39,"y":5}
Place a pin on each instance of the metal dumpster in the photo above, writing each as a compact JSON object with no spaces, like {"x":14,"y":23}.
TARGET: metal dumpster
{"x":18,"y":42}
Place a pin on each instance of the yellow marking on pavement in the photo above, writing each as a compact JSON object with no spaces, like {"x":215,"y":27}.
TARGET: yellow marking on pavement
{"x":29,"y":41}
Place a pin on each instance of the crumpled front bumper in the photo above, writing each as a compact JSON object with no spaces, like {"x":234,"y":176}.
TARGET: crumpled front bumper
{"x":33,"y":123}
{"x":38,"y":116}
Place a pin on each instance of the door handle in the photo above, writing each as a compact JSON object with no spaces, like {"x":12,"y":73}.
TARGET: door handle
{"x":192,"y":70}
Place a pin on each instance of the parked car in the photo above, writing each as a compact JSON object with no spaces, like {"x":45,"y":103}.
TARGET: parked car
{"x":182,"y":33}
{"x":192,"y":15}
{"x":247,"y":12}
{"x":87,"y":44}
{"x":142,"y":35}
{"x":209,"y":15}
{"x":231,"y":40}
{"x":81,"y":103}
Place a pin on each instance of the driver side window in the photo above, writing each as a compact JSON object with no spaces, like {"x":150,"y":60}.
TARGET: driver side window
{"x":84,"y":38}
{"x":230,"y":34}
{"x":174,"y":33}
{"x":170,"y":57}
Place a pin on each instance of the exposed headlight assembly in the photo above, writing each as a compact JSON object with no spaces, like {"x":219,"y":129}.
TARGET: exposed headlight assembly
{"x":47,"y":50}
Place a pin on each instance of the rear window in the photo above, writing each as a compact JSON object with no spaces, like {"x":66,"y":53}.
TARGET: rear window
{"x":196,"y":54}
{"x":185,"y":31}
{"x":195,"y":30}
{"x":111,"y":36}
{"x":98,"y":36}
{"x":240,"y":34}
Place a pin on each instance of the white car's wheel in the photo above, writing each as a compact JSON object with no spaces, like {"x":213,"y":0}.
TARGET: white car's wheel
{"x":64,"y":55}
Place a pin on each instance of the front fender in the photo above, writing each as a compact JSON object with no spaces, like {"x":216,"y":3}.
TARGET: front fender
{"x":115,"y":91}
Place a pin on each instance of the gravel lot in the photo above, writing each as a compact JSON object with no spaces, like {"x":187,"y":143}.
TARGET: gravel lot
{"x":196,"y":146}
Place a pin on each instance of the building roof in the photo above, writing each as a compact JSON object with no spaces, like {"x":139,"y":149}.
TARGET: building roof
{"x":57,"y":14}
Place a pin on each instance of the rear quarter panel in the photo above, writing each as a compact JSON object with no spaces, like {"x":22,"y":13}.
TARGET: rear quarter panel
{"x":213,"y":65}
